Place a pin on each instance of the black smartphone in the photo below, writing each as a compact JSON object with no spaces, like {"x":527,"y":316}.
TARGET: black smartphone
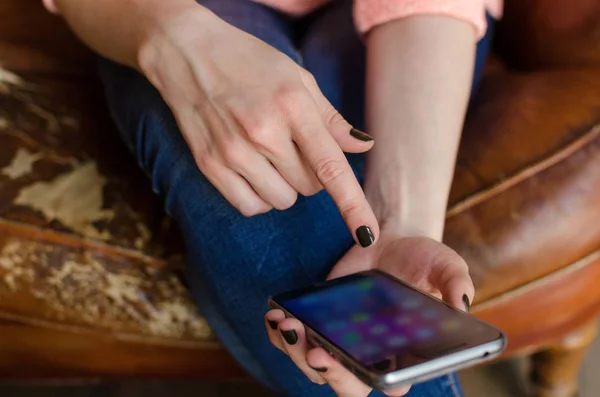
{"x":388,"y":333}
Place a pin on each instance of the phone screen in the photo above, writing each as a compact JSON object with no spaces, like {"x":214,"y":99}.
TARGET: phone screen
{"x":375,"y":318}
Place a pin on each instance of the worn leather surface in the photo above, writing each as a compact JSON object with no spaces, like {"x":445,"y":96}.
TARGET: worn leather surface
{"x":33,"y":40}
{"x":63,"y":168}
{"x":87,"y":256}
{"x":527,"y":187}
{"x":63,"y":354}
{"x":550,"y":34}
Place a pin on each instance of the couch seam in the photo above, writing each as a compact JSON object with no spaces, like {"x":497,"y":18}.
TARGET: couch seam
{"x":524,"y":174}
{"x":107,"y":333}
{"x":591,"y":258}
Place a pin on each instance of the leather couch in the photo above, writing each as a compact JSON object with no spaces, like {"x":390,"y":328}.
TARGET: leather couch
{"x":90,"y":283}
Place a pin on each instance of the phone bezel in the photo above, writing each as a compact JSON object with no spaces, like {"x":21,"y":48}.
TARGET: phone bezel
{"x":470,"y":352}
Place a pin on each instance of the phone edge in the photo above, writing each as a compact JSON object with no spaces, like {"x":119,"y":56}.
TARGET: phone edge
{"x":382,"y":382}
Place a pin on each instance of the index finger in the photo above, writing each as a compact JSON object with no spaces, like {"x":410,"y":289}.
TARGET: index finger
{"x":335,"y":174}
{"x":451,"y":277}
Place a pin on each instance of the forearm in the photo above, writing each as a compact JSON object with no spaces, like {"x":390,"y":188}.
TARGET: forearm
{"x":117,"y":28}
{"x":419,"y":73}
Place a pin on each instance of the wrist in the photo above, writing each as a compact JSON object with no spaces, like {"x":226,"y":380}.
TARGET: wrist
{"x":411,"y":219}
{"x":405,"y":208}
{"x":164,"y":29}
{"x":396,"y":226}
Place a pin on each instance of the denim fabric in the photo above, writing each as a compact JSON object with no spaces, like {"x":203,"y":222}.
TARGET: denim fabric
{"x":235,"y":263}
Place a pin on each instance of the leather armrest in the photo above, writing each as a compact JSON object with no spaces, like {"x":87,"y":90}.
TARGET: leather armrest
{"x":526,"y":195}
{"x":550,"y":34}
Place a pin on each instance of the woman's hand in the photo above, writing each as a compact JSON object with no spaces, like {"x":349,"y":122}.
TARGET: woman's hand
{"x":425,"y":263}
{"x":422,"y":262}
{"x":257,"y":124}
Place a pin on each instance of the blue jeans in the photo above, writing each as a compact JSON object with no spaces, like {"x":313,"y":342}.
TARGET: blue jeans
{"x":234,"y":263}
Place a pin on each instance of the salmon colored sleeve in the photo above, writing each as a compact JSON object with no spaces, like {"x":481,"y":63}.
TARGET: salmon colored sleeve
{"x":370,"y":13}
{"x":50,"y":6}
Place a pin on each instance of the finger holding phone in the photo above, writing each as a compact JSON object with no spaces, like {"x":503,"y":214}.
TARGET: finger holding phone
{"x":424,"y":263}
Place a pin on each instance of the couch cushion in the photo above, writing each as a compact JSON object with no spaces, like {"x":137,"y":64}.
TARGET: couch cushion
{"x":62,"y":166}
{"x":550,"y":34}
{"x":83,"y":240}
{"x":526,"y":195}
{"x":33,"y":40}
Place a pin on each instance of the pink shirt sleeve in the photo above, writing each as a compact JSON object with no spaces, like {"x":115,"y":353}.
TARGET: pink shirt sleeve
{"x":370,"y":13}
{"x":49,"y":4}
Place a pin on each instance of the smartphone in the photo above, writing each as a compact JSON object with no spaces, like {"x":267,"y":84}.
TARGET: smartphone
{"x":388,"y":333}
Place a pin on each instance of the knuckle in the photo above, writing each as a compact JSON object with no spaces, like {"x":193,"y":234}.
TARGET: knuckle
{"x":307,"y":77}
{"x":264,"y":133}
{"x":329,"y":170}
{"x":310,"y":189}
{"x":288,"y":201}
{"x":206,"y":163}
{"x":288,"y":97}
{"x":332,"y":117}
{"x":234,"y":153}
{"x":263,"y":136}
{"x":250,"y":209}
{"x":246,"y":211}
{"x":350,"y":207}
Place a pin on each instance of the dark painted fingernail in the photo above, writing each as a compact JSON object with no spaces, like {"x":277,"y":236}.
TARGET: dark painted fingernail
{"x":364,"y":235}
{"x":320,"y":369}
{"x":361,"y":136}
{"x":467,"y":303}
{"x":291,"y":337}
{"x":272,"y":324}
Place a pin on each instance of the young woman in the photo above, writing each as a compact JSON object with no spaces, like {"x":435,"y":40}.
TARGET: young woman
{"x":241,"y":113}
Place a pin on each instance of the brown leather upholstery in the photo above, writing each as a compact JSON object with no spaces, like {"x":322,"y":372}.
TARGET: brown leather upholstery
{"x":551,"y":34}
{"x":89,"y":264}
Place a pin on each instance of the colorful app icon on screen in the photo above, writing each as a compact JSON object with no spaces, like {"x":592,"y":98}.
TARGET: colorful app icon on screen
{"x":450,"y":324}
{"x":397,"y":341}
{"x":429,"y":313}
{"x":410,"y":303}
{"x":423,"y":333}
{"x":352,"y":338}
{"x":379,"y":329}
{"x":403,"y":321}
{"x":360,"y":317}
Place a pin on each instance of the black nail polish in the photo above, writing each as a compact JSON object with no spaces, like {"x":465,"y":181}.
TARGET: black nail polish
{"x":320,"y":369}
{"x":361,"y":136}
{"x":467,"y":303}
{"x":364,"y":235}
{"x":273,"y":324}
{"x":291,"y":337}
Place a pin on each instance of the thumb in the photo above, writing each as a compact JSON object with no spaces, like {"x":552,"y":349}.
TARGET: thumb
{"x":454,"y":282}
{"x":459,"y":292}
{"x":355,"y":260}
{"x":350,"y":139}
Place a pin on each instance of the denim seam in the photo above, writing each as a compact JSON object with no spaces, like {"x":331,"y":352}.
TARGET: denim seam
{"x":453,"y":386}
